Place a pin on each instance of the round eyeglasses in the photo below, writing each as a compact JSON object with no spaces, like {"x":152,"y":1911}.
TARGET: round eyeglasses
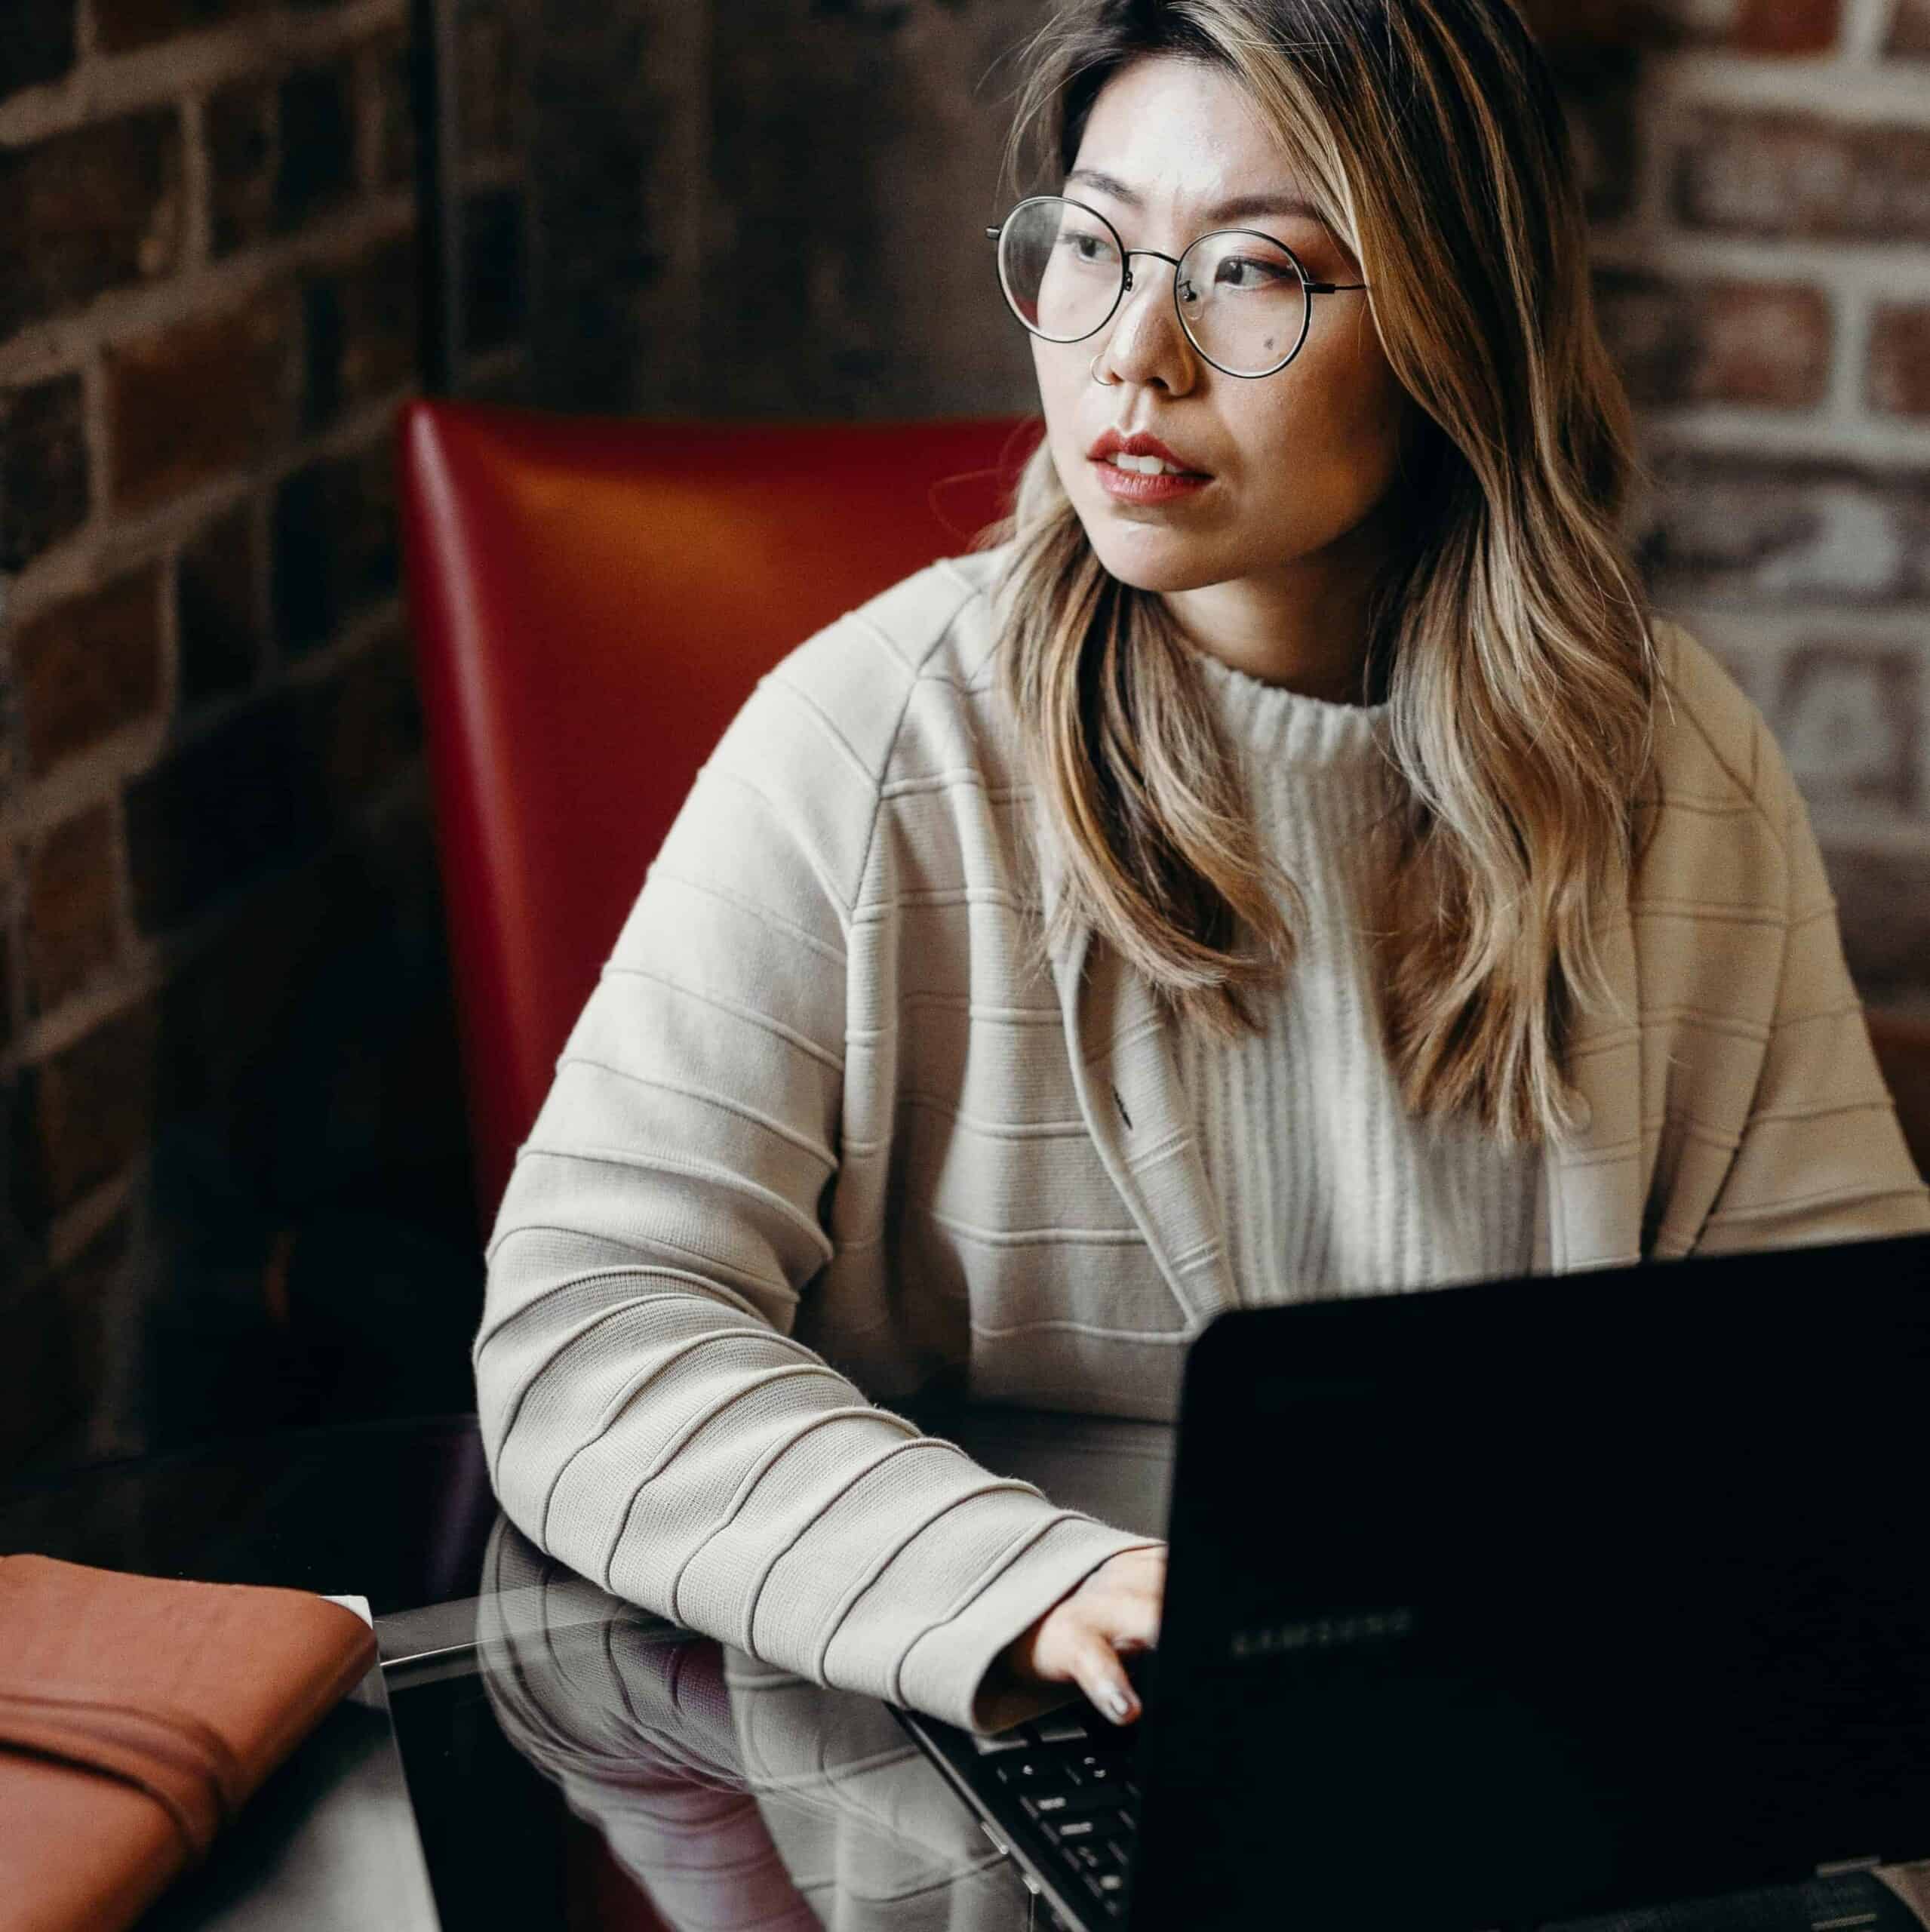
{"x":1245,"y":300}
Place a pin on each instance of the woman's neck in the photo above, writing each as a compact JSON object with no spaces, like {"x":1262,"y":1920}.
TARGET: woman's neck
{"x":1304,"y":626}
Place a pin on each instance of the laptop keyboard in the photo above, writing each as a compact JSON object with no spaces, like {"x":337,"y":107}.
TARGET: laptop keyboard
{"x":1074,"y":1779}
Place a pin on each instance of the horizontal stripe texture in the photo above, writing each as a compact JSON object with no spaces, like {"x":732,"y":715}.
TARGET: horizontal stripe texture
{"x":829,"y":1127}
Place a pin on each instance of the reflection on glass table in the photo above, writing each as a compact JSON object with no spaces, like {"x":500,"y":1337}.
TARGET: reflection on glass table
{"x":735,"y":1794}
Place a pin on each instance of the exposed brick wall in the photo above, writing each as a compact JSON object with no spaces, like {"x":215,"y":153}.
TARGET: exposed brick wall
{"x":206,"y":207}
{"x":223,"y":1009}
{"x":1765,"y":279}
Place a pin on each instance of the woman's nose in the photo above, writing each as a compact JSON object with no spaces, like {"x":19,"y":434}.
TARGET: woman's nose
{"x":1146,"y":342}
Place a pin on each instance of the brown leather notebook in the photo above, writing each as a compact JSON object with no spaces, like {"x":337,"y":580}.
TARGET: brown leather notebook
{"x":137,"y":1716}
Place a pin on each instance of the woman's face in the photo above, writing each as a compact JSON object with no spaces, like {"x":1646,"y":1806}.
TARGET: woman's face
{"x":1295,"y":461}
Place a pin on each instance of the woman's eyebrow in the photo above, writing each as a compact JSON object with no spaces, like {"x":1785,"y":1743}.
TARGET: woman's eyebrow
{"x":1276,"y":201}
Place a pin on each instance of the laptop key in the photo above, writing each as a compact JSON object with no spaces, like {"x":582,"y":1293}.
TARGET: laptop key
{"x":1103,"y":1800}
{"x":1046,"y":1804}
{"x":1006,"y":1740}
{"x":1061,"y":1730}
{"x":1063,"y":1830}
{"x":1024,"y":1774}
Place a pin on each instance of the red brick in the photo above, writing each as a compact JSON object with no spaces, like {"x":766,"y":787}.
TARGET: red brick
{"x":240,"y":127}
{"x":190,"y":404}
{"x":334,"y":544}
{"x":232,"y":1013}
{"x":44,"y":485}
{"x":96,"y":1105}
{"x":1736,"y":342}
{"x":1598,"y":91}
{"x":360,"y":330}
{"x":270,"y":787}
{"x":1849,"y":717}
{"x":124,"y":24}
{"x":1564,"y":26}
{"x":89,"y":666}
{"x":51,"y":1358}
{"x":1909,"y":29}
{"x":315,"y":170}
{"x":1752,"y":26}
{"x":1786,"y":532}
{"x":218,"y":603}
{"x":367,"y":723}
{"x":84,"y":212}
{"x":245,"y":799}
{"x":1900,"y":359}
{"x":1787,"y":27}
{"x":1794,"y":174}
{"x":73,"y":893}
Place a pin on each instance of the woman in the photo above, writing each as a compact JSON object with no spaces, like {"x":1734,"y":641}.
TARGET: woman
{"x":1311,"y":873}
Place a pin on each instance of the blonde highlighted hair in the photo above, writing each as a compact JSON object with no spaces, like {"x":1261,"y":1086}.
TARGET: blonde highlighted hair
{"x":1510,"y":638}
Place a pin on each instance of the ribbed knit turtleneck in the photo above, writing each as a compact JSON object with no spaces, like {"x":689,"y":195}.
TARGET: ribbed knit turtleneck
{"x":1327,"y":1185}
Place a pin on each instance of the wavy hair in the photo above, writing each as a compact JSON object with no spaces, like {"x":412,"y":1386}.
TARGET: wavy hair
{"x":1510,"y":638}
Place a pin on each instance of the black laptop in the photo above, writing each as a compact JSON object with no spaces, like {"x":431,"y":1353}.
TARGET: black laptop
{"x":1501,"y":1605}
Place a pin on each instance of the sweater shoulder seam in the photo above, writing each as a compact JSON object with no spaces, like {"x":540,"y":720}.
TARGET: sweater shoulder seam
{"x":917,"y":667}
{"x":1692,"y":709}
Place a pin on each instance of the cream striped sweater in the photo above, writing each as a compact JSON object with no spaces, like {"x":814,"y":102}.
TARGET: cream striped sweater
{"x":1326,"y":1184}
{"x":824,"y":1127}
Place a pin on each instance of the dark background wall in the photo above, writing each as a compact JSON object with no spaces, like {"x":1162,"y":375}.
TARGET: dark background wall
{"x":233,"y":1139}
{"x":236,"y":1180}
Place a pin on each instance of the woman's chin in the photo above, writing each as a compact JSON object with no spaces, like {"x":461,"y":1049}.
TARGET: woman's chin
{"x":1150,"y":560}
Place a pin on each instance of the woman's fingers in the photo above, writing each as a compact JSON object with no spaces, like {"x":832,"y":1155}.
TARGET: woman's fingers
{"x":1099,"y":1672}
{"x":1081,"y":1639}
{"x":1135,"y":1614}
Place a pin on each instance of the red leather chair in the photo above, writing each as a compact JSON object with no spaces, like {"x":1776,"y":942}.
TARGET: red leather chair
{"x":592,"y":601}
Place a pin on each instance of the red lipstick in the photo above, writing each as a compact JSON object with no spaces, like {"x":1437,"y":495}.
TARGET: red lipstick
{"x":1130,"y":486}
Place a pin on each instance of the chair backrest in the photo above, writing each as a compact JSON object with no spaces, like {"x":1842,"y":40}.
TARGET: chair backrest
{"x":592,"y":601}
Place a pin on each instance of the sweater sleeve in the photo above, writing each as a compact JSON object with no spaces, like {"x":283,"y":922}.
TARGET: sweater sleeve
{"x":650,"y":1416}
{"x":1822,"y":1157}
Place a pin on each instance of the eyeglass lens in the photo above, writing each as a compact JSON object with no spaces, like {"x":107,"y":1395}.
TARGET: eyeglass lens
{"x":1242,"y":297}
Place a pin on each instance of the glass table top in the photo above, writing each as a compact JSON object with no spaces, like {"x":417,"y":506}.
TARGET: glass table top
{"x":574,"y":1762}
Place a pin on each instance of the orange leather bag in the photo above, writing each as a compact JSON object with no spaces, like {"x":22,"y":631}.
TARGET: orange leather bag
{"x":137,"y":1716}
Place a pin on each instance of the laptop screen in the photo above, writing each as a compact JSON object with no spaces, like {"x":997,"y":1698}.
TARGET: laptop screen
{"x":1500,"y":1604}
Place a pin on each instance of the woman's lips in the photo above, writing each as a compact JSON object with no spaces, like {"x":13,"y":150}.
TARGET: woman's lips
{"x":1127,"y":486}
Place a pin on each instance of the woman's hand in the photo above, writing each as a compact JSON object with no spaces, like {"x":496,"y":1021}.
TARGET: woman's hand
{"x":1114,"y":1612}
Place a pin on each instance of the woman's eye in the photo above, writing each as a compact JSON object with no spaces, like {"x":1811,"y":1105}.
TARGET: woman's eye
{"x":1242,"y":271}
{"x":1088,"y":248}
